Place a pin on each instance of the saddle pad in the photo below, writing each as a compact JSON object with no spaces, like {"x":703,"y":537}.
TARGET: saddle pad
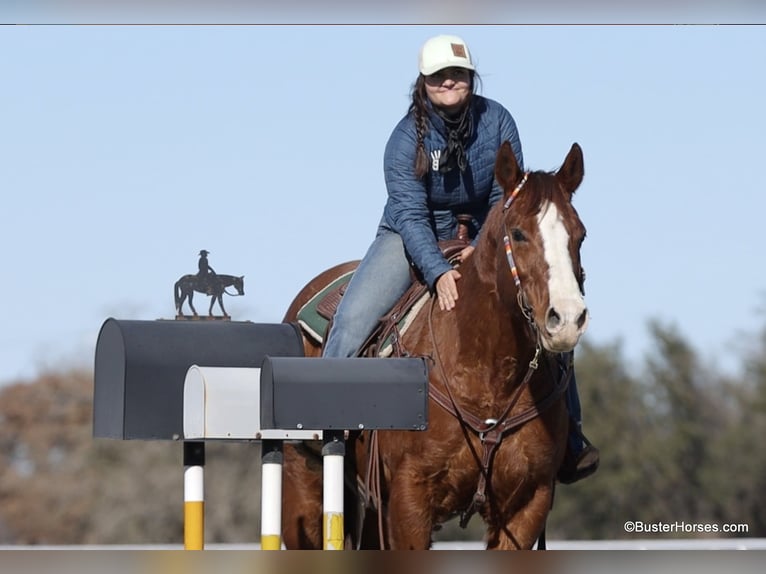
{"x":404,"y":323}
{"x":310,"y":319}
{"x":314,"y":323}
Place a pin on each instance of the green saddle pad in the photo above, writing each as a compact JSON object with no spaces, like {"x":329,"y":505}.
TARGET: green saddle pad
{"x":309,"y":319}
{"x":315,"y":325}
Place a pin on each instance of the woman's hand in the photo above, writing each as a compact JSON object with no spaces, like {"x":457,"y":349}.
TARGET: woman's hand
{"x":446,"y":289}
{"x":465,"y":253}
{"x":446,"y":284}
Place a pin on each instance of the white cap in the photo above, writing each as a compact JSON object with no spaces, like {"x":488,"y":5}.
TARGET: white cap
{"x":442,"y":52}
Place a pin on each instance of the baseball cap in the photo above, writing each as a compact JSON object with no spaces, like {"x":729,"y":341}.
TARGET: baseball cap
{"x":444,"y":51}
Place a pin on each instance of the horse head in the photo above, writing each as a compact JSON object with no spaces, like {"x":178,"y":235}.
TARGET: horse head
{"x":239,"y":284}
{"x":538,"y":258}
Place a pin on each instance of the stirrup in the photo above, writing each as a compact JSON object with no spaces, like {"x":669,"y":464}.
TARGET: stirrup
{"x":576,"y":468}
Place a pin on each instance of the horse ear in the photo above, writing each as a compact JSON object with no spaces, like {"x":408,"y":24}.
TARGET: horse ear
{"x":507,"y":170}
{"x":570,"y":174}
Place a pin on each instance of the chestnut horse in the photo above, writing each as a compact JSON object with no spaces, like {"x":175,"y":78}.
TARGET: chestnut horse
{"x":500,"y":363}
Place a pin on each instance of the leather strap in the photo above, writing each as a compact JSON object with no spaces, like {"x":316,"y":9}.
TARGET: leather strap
{"x":492,"y":431}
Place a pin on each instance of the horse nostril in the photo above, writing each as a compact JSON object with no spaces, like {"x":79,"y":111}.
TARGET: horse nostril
{"x":553,"y":319}
{"x":582,"y":319}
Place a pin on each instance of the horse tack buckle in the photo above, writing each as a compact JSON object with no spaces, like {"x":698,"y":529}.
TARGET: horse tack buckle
{"x":492,"y":424}
{"x":533,"y":364}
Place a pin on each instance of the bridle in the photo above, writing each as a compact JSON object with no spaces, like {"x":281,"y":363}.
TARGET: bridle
{"x":526,"y":308}
{"x":238,"y":288}
{"x":491,"y":431}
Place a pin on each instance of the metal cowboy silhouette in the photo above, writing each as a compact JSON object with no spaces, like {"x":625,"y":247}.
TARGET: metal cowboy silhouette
{"x":205,"y":273}
{"x":206,"y":281}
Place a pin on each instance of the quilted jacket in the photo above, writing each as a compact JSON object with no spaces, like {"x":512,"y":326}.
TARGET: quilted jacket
{"x":424,"y":210}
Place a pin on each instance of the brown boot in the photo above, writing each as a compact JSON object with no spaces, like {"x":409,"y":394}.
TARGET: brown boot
{"x":575,"y":468}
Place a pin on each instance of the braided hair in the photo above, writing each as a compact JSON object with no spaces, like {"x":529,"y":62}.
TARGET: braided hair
{"x":419,"y":108}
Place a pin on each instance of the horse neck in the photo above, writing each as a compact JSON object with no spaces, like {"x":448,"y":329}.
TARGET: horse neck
{"x":489,"y":333}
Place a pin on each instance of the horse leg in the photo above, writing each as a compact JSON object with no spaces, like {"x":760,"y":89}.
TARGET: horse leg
{"x":220,"y":303}
{"x":409,"y":521}
{"x":191,"y":305}
{"x":524,"y":527}
{"x":302,"y":492}
{"x":177,"y":297}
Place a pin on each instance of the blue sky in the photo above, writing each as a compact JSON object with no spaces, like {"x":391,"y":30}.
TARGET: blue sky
{"x":124,"y":150}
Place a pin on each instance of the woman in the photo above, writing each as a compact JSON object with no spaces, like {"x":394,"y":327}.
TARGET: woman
{"x":438,"y":163}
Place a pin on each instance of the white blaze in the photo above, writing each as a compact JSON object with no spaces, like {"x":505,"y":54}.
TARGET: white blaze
{"x":564,"y":291}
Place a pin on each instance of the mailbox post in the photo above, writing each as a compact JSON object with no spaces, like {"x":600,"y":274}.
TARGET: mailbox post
{"x":211,"y":381}
{"x":140,"y":373}
{"x":286,"y":398}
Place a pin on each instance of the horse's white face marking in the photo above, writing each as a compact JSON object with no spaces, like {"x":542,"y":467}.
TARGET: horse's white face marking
{"x":566,"y":300}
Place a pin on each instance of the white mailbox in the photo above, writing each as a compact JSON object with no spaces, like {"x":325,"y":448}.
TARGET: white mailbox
{"x":225,"y":403}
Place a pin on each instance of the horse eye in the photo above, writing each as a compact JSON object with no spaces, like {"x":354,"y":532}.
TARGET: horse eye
{"x":518,"y":235}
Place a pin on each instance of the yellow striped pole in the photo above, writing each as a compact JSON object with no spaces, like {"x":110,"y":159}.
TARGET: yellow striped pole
{"x":194,"y":495}
{"x":271,"y":495}
{"x":333,"y":452}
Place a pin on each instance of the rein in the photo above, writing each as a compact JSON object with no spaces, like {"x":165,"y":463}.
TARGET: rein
{"x":224,"y":288}
{"x":491,"y":431}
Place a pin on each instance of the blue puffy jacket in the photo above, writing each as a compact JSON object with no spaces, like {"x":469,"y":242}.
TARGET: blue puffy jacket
{"x":424,"y":210}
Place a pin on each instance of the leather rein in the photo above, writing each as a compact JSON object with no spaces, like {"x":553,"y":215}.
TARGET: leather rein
{"x":491,"y":431}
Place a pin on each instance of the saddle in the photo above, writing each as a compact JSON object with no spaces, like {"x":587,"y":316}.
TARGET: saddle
{"x":316,"y":315}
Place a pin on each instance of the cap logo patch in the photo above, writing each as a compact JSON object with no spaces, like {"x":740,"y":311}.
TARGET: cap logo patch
{"x":458,"y":50}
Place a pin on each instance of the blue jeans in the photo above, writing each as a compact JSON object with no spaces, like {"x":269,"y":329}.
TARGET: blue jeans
{"x":572,"y":399}
{"x":377,"y":284}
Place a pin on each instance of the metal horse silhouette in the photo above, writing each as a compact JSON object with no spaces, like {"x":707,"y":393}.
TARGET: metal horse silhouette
{"x":210,"y":283}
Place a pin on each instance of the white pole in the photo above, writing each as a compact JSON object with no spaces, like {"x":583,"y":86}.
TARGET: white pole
{"x":271,"y":495}
{"x":194,"y":495}
{"x":333,"y":452}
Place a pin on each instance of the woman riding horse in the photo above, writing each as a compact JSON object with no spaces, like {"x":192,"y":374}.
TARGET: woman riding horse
{"x":442,"y":160}
{"x":500,"y":363}
{"x":460,"y":131}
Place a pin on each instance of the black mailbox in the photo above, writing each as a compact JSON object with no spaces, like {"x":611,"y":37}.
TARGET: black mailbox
{"x":344,"y":394}
{"x":141,"y":366}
